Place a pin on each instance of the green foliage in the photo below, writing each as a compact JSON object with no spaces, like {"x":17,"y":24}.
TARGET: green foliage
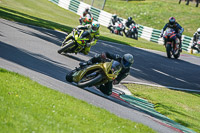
{"x":26,"y":106}
{"x":179,"y":106}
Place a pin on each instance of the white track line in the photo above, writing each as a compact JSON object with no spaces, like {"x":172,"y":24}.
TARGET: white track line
{"x":174,"y":88}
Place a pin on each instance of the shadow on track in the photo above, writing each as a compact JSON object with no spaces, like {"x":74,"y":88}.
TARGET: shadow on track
{"x":35,"y":62}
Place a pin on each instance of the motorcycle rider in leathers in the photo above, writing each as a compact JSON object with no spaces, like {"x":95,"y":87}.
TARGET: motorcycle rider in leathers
{"x":196,"y":36}
{"x":178,"y":30}
{"x":92,"y":32}
{"x":113,"y":20}
{"x":126,"y":61}
{"x":87,"y":11}
{"x":128,"y":22}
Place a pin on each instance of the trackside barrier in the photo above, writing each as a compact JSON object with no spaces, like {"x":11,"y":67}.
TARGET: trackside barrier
{"x":104,"y":18}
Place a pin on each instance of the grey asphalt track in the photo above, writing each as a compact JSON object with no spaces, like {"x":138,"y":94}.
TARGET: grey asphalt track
{"x":32,"y":51}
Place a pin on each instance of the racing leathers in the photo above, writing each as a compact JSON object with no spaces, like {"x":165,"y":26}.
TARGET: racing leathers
{"x":196,"y":36}
{"x":93,"y":37}
{"x":107,"y":87}
{"x":112,"y":23}
{"x":127,"y":24}
{"x":84,"y":15}
{"x":178,"y":30}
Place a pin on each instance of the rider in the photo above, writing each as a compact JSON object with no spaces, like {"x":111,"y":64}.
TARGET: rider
{"x":128,"y":22}
{"x":86,"y":11}
{"x":113,"y":20}
{"x":178,"y":30}
{"x":126,"y":61}
{"x":92,"y":32}
{"x":196,"y":36}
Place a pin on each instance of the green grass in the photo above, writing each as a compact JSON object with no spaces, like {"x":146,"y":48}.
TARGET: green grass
{"x":181,"y":107}
{"x":155,"y":13}
{"x":27,"y":106}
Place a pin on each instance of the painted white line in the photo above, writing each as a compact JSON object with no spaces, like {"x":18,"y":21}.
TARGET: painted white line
{"x":174,"y":88}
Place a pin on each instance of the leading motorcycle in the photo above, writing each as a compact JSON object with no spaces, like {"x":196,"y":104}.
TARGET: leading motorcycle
{"x":172,"y":43}
{"x":96,"y":74}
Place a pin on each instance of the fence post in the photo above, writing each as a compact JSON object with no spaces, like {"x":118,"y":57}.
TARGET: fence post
{"x":197,"y":3}
{"x":179,"y":2}
{"x":92,"y":2}
{"x":103,"y":4}
{"x":188,"y":1}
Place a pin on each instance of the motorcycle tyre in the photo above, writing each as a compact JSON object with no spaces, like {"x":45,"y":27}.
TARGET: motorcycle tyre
{"x":176,"y":56}
{"x":65,"y":47}
{"x":91,"y":82}
{"x":168,"y":50}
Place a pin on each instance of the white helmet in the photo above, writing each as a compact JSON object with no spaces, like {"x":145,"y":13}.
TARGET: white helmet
{"x":198,"y":31}
{"x":95,"y":26}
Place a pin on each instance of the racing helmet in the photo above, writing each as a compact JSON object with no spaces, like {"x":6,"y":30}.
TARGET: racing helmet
{"x":95,"y":26}
{"x":87,"y":9}
{"x":114,"y":16}
{"x":127,"y":60}
{"x":129,"y":19}
{"x":172,"y":20}
{"x":198,"y":31}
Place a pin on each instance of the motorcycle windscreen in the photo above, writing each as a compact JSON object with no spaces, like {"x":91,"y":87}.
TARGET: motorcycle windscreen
{"x":116,"y":67}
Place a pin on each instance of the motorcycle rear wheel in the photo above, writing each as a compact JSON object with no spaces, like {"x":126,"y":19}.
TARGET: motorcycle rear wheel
{"x":82,"y":83}
{"x":66,"y":47}
{"x":176,"y":56}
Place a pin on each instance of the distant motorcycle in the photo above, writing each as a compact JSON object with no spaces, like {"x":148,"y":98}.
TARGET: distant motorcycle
{"x":118,"y":28}
{"x":73,"y":42}
{"x":197,"y":45}
{"x":86,"y":20}
{"x":172,"y":43}
{"x":132,"y":31}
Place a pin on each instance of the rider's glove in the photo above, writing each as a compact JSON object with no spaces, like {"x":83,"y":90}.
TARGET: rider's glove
{"x":161,"y":35}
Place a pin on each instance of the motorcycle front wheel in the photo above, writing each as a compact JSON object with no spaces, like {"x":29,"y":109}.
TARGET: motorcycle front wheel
{"x":168,"y":50}
{"x":88,"y":81}
{"x":66,"y":47}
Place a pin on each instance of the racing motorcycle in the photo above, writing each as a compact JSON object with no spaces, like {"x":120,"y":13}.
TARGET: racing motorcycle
{"x":132,"y":31}
{"x":96,"y":74}
{"x":118,"y":28}
{"x":86,"y":20}
{"x":172,"y":43}
{"x":197,"y":46}
{"x":74,"y":43}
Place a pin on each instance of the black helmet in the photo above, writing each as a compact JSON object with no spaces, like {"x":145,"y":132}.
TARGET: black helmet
{"x":87,"y":9}
{"x":114,"y":16}
{"x":172,"y":20}
{"x":129,"y":19}
{"x":127,"y":60}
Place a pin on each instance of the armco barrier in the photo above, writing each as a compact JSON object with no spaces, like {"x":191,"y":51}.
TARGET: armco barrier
{"x":104,"y":18}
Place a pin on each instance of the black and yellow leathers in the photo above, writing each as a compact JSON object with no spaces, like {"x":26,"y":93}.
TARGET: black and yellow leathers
{"x":79,"y":40}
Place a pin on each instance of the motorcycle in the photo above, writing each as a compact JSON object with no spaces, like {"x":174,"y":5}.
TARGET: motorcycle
{"x":197,"y":46}
{"x":74,"y":43}
{"x":86,"y":20}
{"x":96,"y":74}
{"x":132,"y":31}
{"x":172,"y":43}
{"x":118,"y":28}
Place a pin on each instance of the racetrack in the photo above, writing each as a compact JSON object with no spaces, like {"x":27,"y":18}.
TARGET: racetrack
{"x":32,"y":51}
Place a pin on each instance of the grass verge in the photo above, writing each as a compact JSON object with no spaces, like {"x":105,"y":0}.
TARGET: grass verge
{"x":27,"y":106}
{"x":181,"y":107}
